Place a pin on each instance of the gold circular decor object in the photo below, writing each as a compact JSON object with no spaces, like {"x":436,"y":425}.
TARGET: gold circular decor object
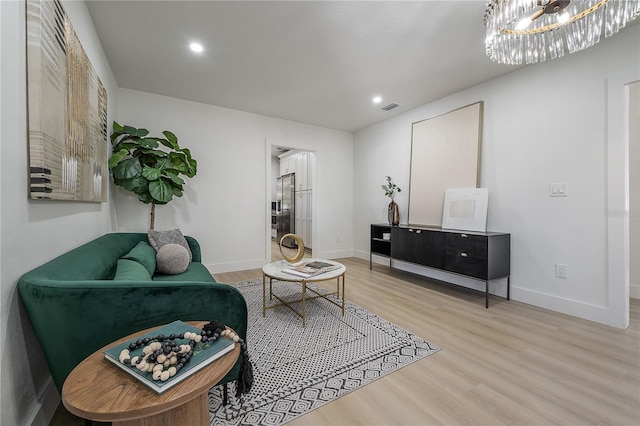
{"x":299,"y":255}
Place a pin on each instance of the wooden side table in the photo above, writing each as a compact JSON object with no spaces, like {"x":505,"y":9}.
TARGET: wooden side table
{"x":98,"y":390}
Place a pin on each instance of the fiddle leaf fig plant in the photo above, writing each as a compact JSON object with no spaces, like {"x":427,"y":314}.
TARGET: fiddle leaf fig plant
{"x":148,"y":166}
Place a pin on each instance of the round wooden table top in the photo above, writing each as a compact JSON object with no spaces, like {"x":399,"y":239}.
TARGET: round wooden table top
{"x":98,"y":390}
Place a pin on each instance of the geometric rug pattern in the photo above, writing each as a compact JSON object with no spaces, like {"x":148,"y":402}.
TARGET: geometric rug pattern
{"x":299,"y":369}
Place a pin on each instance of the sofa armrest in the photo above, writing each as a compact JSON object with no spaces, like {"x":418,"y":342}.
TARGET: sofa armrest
{"x":74,"y":319}
{"x":194,"y":246}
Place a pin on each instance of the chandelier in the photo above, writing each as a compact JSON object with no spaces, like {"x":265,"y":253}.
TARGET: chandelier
{"x":529,"y":31}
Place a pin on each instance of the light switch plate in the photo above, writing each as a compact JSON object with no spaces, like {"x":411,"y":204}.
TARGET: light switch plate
{"x":558,"y":189}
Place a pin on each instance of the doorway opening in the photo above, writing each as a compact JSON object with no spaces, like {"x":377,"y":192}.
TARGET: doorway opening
{"x":290,"y":190}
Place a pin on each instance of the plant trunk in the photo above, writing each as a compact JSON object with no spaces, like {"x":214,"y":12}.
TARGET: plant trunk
{"x":153,"y":215}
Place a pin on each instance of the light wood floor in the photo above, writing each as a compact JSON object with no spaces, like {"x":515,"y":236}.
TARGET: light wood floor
{"x":510,"y":364}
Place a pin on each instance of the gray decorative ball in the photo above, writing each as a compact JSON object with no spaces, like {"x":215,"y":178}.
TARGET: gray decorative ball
{"x":172,"y":259}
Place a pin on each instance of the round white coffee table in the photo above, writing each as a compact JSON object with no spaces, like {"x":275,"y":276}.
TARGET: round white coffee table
{"x":276,"y":271}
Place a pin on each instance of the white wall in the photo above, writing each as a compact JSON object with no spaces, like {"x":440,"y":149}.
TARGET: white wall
{"x":227,"y":205}
{"x":34,"y":232}
{"x":545,"y":123}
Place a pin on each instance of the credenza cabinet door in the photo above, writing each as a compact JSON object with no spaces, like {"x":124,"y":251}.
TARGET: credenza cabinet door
{"x":418,"y":246}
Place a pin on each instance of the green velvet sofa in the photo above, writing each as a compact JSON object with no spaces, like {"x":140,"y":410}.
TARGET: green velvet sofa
{"x":76,"y":307}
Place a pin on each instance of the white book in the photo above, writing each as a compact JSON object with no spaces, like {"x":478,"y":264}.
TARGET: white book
{"x":310,"y":269}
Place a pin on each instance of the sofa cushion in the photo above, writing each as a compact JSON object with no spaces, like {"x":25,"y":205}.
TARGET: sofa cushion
{"x":196,"y":272}
{"x":145,"y":255}
{"x":130,"y":270}
{"x":172,"y":259}
{"x":157,"y":239}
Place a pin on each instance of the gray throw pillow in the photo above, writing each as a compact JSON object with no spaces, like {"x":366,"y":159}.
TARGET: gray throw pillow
{"x":157,"y":239}
{"x":172,"y":259}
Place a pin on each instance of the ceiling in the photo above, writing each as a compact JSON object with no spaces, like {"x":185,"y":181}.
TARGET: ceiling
{"x":313,"y":62}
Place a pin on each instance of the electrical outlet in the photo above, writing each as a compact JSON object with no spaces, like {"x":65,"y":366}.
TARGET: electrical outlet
{"x":561,"y":270}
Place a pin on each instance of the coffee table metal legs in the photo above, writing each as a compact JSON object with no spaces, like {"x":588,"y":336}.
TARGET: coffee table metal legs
{"x":302,"y":313}
{"x":264,"y":296}
{"x":304,"y":310}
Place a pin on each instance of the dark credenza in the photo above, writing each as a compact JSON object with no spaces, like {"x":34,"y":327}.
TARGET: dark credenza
{"x":481,"y":255}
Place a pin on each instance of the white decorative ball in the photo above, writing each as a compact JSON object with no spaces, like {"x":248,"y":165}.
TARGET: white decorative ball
{"x":172,"y":259}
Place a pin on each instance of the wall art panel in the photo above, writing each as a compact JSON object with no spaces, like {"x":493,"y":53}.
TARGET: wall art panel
{"x":445,"y":154}
{"x":67,"y":111}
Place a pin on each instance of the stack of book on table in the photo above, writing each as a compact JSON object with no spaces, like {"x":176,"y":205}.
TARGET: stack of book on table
{"x":310,"y":269}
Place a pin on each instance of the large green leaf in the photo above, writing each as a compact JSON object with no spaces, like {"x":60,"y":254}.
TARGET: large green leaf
{"x":127,"y":168}
{"x":114,"y":136}
{"x":160,"y":190}
{"x":166,"y":143}
{"x":187,"y":166}
{"x":165,"y":163}
{"x":148,"y":142}
{"x":179,"y":163}
{"x":154,"y":153}
{"x":127,"y":144}
{"x":174,"y":178}
{"x":145,"y":197}
{"x":151,"y":173}
{"x":169,"y":144}
{"x":136,"y":184}
{"x":141,"y":133}
{"x":193,"y":167}
{"x":116,"y":157}
{"x":171,"y":138}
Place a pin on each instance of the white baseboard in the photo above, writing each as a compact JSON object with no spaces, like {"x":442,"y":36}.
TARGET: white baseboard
{"x":219,"y":268}
{"x":338,"y":254}
{"x":566,"y":306}
{"x":45,"y":406}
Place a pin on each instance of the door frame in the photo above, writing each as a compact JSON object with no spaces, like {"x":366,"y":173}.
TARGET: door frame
{"x":314,"y":210}
{"x":617,"y":196}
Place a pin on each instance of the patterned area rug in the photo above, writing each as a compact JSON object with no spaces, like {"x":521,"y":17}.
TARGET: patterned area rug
{"x":299,"y":369}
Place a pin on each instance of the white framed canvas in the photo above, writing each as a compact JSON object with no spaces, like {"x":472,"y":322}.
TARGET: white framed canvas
{"x":466,"y":209}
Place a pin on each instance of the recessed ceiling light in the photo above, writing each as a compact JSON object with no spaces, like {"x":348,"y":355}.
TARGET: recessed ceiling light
{"x":196,"y":47}
{"x":377,"y":100}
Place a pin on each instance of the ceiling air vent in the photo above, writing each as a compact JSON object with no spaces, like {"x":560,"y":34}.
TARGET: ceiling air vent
{"x":390,"y":106}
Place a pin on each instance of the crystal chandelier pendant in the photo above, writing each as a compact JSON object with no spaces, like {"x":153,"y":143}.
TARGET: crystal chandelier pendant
{"x":530,"y":31}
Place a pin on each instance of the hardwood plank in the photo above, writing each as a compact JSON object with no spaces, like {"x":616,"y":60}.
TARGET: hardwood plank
{"x":510,"y":364}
